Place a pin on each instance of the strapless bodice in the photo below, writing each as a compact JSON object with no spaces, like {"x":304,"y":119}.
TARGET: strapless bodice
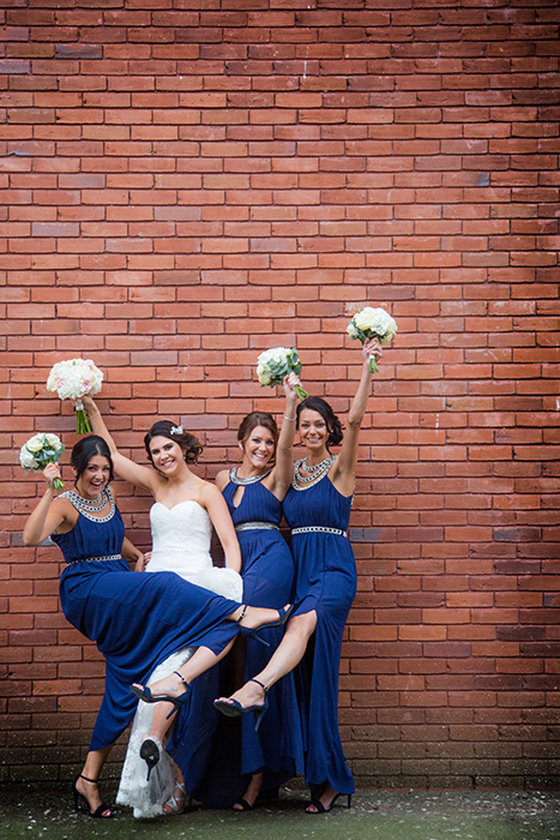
{"x":180,"y":534}
{"x":181,"y":543}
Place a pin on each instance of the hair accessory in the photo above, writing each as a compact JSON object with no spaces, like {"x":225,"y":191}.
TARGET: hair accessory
{"x":176,"y":430}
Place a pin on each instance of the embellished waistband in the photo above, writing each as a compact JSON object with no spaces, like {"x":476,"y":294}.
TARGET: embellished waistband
{"x":257,"y":526}
{"x":320,"y":529}
{"x":99,"y":559}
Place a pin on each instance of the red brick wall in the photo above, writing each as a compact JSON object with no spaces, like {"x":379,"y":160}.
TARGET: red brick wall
{"x":184,"y":184}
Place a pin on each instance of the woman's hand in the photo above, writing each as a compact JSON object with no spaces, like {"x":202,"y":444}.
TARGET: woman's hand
{"x":89,"y":404}
{"x":51,"y":472}
{"x":143,"y":561}
{"x":371,"y":347}
{"x":290,"y":383}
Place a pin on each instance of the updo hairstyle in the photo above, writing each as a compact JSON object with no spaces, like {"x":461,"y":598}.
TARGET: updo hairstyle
{"x":189,"y":443}
{"x":320,"y":405}
{"x":85,"y":449}
{"x":254,"y":419}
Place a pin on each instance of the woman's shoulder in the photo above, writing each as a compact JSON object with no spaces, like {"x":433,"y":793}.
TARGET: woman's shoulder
{"x":222,"y":479}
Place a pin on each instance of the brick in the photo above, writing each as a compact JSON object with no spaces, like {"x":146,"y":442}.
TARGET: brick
{"x":296,"y":165}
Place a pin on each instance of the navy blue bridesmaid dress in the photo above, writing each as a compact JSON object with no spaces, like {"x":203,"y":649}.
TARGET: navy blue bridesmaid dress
{"x":267,"y":569}
{"x":137,"y":620}
{"x":325,"y":582}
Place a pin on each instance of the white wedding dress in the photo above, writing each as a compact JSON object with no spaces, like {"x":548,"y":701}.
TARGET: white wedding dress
{"x":181,"y":544}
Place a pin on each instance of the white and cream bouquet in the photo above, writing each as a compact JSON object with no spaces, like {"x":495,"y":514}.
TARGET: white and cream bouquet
{"x":72,"y":380}
{"x":371,"y":322}
{"x":40,"y":450}
{"x":274,"y":364}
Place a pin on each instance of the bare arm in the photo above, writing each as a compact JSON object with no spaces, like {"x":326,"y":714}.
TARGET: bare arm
{"x":50,"y":514}
{"x":215,"y":504}
{"x":281,"y":476}
{"x":140,"y":476}
{"x":345,"y":466}
{"x":130,"y":552}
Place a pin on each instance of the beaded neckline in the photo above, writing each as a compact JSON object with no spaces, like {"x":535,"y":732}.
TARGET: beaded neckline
{"x":237,"y":479}
{"x":303,"y":482}
{"x":86,"y":506}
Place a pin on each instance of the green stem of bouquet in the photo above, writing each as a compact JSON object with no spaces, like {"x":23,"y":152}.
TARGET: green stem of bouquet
{"x":83,"y":426}
{"x":373,"y":365}
{"x":58,"y":485}
{"x":301,"y":392}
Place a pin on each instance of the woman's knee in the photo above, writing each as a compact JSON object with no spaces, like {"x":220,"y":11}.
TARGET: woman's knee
{"x":302,"y":626}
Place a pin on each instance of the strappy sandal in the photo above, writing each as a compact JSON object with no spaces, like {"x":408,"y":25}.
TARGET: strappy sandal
{"x":233,"y":708}
{"x":145,"y":694}
{"x":80,"y":799}
{"x":176,"y":804}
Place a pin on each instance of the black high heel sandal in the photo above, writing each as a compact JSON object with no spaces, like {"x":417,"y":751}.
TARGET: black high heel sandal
{"x":150,"y":751}
{"x":144,"y":693}
{"x":253,"y":633}
{"x":79,"y":798}
{"x":233,"y":708}
{"x":321,"y":808}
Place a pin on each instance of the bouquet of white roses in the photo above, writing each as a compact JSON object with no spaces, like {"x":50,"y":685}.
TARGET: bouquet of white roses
{"x":372,"y":323}
{"x":72,"y":380}
{"x":273,"y":365}
{"x":40,"y":450}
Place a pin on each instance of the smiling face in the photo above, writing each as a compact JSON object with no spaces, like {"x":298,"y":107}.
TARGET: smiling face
{"x":94,"y":478}
{"x":313,"y":431}
{"x":166,"y":454}
{"x":259,"y":448}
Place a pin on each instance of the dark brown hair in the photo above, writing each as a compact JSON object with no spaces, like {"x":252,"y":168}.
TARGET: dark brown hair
{"x":334,"y":426}
{"x":85,"y":449}
{"x":189,"y":443}
{"x":254,"y":419}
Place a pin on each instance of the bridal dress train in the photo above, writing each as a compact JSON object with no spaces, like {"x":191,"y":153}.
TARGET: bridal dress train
{"x":180,"y":545}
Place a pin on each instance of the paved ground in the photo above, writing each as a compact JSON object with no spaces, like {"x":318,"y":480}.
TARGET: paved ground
{"x":375,"y":815}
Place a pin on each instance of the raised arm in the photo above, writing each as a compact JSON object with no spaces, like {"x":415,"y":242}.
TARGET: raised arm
{"x":281,"y":476}
{"x":137,"y":474}
{"x":345,"y":465}
{"x":215,"y":504}
{"x":50,"y":514}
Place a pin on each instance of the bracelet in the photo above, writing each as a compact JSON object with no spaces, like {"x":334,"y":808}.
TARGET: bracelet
{"x":293,"y":419}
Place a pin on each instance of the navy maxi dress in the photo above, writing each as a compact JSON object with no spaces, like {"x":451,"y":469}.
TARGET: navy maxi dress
{"x":267,"y":569}
{"x":325,"y":582}
{"x":137,"y":620}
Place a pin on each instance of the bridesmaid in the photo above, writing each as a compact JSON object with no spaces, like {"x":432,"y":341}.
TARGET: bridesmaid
{"x":254,"y":492}
{"x":317,"y":508}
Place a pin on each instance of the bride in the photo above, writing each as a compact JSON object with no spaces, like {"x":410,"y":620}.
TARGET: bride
{"x":181,"y":518}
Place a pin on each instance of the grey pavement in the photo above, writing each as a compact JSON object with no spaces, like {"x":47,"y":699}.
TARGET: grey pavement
{"x":375,"y":815}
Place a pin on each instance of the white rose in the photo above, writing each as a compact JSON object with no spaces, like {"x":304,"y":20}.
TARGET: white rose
{"x":26,"y":459}
{"x":53,"y":440}
{"x":35,"y":444}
